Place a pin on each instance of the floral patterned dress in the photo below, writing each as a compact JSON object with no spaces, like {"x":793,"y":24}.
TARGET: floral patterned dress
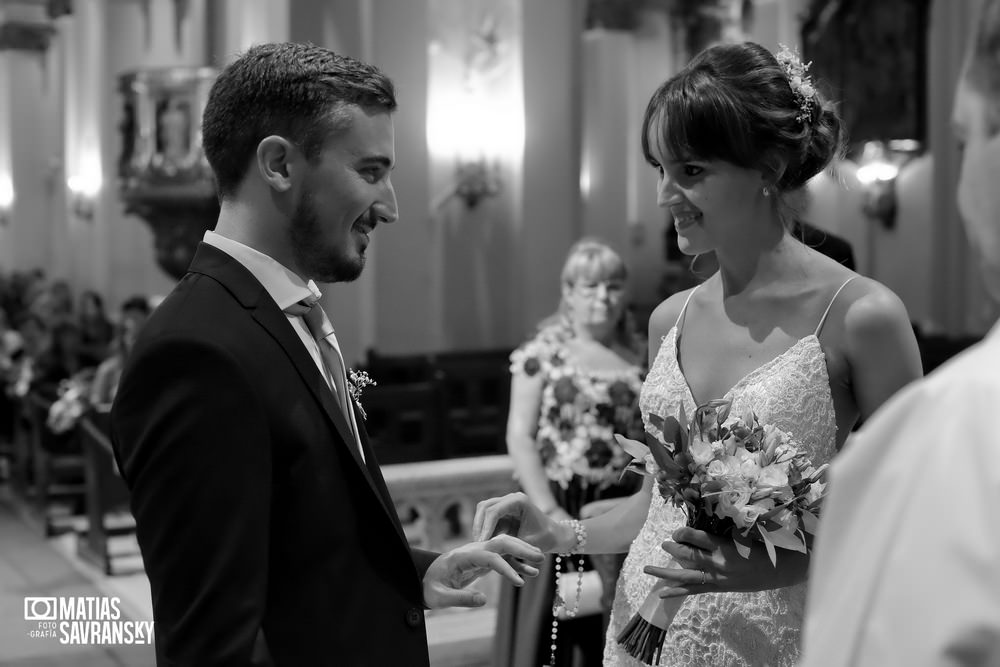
{"x":580,"y":412}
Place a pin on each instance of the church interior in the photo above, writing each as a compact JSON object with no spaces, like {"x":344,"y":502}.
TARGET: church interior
{"x":517,"y":134}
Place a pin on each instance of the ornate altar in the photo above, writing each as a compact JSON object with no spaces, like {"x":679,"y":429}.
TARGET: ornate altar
{"x":163,"y":174}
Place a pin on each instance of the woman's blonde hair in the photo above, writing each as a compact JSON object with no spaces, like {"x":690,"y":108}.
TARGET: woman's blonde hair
{"x":593,"y":260}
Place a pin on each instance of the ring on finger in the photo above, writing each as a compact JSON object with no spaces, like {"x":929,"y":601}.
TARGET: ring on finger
{"x":704,"y":577}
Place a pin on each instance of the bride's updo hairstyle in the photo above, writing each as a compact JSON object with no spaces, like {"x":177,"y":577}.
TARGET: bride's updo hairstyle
{"x":738,"y":104}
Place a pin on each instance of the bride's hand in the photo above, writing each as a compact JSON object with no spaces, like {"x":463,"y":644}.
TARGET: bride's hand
{"x":711,"y":564}
{"x":515,"y":515}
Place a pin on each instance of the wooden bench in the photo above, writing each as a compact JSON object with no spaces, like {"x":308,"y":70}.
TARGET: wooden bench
{"x":399,"y":369}
{"x":21,"y":469}
{"x":404,"y":421}
{"x":57,"y":465}
{"x":464,"y":397}
{"x":108,"y":514}
{"x":475,"y":387}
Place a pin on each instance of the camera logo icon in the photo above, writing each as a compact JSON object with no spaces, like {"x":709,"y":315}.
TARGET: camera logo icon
{"x":40,"y":609}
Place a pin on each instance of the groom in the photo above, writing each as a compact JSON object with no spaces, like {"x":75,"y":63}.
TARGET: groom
{"x":265,"y":525}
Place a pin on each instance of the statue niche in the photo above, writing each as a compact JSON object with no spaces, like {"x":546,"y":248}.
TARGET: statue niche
{"x":164,"y":177}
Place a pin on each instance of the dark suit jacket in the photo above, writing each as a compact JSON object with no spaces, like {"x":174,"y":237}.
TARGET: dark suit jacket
{"x":254,"y":511}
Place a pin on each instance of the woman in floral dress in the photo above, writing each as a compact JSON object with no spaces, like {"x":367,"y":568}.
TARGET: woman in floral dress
{"x":575,"y":384}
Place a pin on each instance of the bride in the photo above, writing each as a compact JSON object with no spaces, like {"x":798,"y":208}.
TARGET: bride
{"x":807,"y":344}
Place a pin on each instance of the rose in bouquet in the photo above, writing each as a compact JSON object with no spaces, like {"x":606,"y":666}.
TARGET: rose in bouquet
{"x":734,"y":477}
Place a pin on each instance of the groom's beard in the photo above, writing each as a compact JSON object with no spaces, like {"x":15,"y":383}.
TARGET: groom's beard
{"x":325,"y":264}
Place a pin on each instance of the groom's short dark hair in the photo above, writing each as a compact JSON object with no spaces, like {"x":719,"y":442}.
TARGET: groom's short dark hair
{"x":286,"y":89}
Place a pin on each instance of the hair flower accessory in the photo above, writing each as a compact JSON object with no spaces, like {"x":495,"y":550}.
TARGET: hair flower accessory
{"x":798,"y":78}
{"x":356,"y":382}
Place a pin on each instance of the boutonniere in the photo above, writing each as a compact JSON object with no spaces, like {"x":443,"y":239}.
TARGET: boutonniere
{"x":356,"y":382}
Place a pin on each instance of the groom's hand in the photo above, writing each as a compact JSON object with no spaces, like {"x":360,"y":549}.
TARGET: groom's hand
{"x":449,"y":574}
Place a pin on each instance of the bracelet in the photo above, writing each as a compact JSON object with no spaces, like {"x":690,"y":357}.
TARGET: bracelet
{"x":581,"y":535}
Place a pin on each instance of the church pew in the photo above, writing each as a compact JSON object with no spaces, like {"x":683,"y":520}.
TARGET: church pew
{"x":21,"y":469}
{"x":107,"y":495}
{"x":475,"y":388}
{"x":404,"y":421}
{"x":57,"y":463}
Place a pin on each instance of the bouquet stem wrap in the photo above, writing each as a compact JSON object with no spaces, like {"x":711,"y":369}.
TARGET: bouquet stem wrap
{"x":645,"y":632}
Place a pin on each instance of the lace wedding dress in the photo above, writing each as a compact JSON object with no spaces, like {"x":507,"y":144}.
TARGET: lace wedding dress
{"x":759,"y":629}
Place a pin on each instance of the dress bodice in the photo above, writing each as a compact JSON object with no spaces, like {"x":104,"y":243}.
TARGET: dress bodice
{"x":792,"y":392}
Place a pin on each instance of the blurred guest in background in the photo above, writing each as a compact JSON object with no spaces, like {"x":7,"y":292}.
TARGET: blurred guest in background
{"x":135,"y":310}
{"x":575,"y":384}
{"x":58,"y":361}
{"x":54,"y":303}
{"x":96,"y":330}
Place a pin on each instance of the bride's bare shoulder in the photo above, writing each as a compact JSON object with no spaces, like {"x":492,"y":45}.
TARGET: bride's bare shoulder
{"x":665,"y":315}
{"x":872,"y":309}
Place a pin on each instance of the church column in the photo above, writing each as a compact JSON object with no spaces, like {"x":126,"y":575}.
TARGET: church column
{"x":549,"y":220}
{"x":29,"y":137}
{"x":960,"y":303}
{"x":236,"y":25}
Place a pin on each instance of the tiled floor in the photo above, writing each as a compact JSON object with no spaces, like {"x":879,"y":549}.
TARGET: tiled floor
{"x":32,"y":566}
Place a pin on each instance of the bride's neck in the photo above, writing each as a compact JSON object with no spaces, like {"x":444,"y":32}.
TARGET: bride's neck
{"x":754,"y":264}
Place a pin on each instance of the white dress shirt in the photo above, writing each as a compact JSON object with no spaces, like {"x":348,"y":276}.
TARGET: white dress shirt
{"x":906,"y":568}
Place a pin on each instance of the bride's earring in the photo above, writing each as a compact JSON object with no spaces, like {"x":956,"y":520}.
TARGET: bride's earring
{"x":766,"y":191}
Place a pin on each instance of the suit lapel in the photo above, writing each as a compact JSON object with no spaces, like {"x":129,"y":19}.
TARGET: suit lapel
{"x":375,"y":473}
{"x":215,"y":263}
{"x":276,"y":324}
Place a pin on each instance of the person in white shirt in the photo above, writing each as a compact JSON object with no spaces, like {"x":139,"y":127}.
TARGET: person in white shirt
{"x":906,"y":567}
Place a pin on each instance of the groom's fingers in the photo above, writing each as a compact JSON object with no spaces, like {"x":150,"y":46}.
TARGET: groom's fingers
{"x":522,"y":568}
{"x":495,"y":562}
{"x":453,"y":597}
{"x":508,"y":545}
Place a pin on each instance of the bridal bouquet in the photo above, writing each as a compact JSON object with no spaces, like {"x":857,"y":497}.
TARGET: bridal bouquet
{"x":734,"y":477}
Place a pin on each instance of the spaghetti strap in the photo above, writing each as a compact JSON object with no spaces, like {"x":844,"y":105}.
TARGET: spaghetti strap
{"x":680,"y":315}
{"x":822,"y":320}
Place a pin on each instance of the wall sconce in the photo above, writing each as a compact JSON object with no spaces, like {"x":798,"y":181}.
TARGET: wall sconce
{"x":83,"y":192}
{"x":878,"y":170}
{"x":476,"y":180}
{"x":6,"y":199}
{"x":466,"y":129}
{"x":475,"y":110}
